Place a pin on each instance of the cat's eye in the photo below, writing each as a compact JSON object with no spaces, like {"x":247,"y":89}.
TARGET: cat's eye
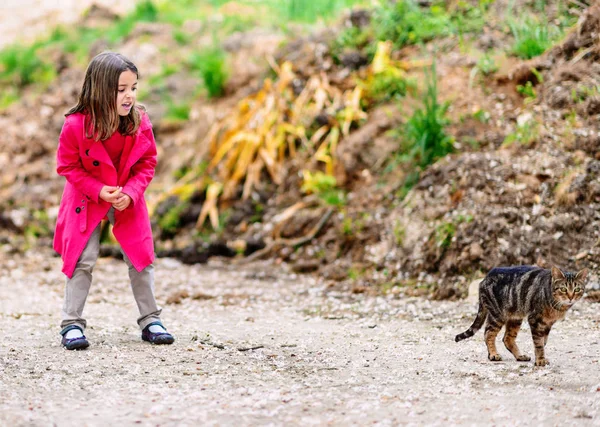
{"x":577,"y":290}
{"x":563,"y":290}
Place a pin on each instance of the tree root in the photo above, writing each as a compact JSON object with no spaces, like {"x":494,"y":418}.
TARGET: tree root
{"x":281,"y":243}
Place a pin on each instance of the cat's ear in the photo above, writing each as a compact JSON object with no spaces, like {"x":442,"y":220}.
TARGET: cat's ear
{"x":582,"y":275}
{"x":557,"y":274}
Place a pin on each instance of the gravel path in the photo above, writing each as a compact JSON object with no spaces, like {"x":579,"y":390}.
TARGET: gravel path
{"x":324,"y":358}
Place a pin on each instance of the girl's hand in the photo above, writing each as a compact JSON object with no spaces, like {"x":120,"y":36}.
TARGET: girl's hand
{"x":110,"y":194}
{"x":123,"y":202}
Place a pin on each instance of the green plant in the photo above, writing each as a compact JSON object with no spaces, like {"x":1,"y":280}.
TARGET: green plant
{"x":333,"y":198}
{"x":532,"y":38}
{"x":170,"y":221}
{"x":310,"y":11}
{"x":404,"y":22}
{"x":181,"y":37}
{"x":481,"y":116}
{"x":7,"y":97}
{"x":20,"y":66}
{"x":526,"y":133}
{"x":388,"y":85}
{"x":318,"y":182}
{"x":354,"y":273}
{"x":409,"y":182}
{"x":468,"y":18}
{"x":425,"y":130}
{"x":399,"y":233}
{"x":347,"y":226}
{"x":177,"y":112}
{"x":350,"y":226}
{"x":211,"y":65}
{"x":485,"y":65}
{"x":528,"y":91}
{"x":145,"y":11}
{"x":444,"y":234}
{"x":324,"y":186}
{"x":353,"y":38}
{"x":581,"y":93}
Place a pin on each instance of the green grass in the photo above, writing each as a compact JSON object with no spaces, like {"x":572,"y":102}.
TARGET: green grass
{"x":404,"y":22}
{"x":169,"y":223}
{"x":145,"y":11}
{"x":444,"y":233}
{"x":525,"y":134}
{"x":309,"y":10}
{"x":325,"y":187}
{"x":177,"y":12}
{"x":212,"y":67}
{"x":532,"y":38}
{"x":425,"y":130}
{"x":469,"y":18}
{"x":388,"y":85}
{"x":21,"y":66}
{"x":177,"y":111}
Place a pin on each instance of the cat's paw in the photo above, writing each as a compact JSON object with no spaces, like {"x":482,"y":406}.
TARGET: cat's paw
{"x":494,"y":357}
{"x":523,"y":358}
{"x":541,"y":362}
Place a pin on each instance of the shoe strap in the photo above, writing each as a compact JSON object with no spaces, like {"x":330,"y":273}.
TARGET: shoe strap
{"x":69,"y":328}
{"x":157,"y":323}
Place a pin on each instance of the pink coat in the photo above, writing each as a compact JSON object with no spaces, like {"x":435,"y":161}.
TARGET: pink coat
{"x":87,"y":167}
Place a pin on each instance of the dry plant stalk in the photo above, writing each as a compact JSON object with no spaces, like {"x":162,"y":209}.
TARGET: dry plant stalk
{"x":265,"y":130}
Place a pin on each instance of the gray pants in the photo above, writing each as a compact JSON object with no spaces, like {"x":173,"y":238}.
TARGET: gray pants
{"x":78,"y":286}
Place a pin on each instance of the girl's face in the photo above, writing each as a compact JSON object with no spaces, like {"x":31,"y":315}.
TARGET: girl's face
{"x":126,"y":92}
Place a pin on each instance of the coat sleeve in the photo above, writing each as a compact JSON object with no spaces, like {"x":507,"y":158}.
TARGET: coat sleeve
{"x":69,"y":164}
{"x":142,"y":171}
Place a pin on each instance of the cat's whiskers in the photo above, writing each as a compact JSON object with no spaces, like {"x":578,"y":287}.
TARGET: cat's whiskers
{"x":559,"y":305}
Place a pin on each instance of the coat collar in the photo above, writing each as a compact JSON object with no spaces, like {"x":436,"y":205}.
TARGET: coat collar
{"x":79,"y":120}
{"x":135,"y":145}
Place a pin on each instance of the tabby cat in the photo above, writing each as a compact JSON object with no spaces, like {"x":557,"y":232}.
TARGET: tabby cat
{"x":507,"y":295}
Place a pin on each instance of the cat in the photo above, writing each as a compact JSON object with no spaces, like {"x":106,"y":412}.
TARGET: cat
{"x":507,"y":295}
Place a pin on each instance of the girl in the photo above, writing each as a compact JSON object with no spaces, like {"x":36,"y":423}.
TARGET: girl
{"x":107,"y":154}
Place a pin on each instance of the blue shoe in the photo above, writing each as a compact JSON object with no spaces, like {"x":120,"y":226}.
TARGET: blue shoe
{"x":78,"y":343}
{"x":157,"y":337}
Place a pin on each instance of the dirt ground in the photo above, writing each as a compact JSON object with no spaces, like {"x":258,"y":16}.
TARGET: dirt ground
{"x":324,"y":358}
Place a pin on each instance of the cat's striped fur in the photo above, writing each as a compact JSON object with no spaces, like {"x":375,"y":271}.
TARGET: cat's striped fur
{"x":507,"y":295}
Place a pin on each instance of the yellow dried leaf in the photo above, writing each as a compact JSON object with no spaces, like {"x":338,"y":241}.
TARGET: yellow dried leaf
{"x":227,"y":146}
{"x":246,"y":157}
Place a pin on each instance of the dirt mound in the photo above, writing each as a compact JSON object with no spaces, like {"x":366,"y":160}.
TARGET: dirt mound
{"x":473,"y":212}
{"x":569,"y":70}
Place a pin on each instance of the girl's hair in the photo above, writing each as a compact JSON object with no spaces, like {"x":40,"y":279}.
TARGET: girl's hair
{"x":97,"y":99}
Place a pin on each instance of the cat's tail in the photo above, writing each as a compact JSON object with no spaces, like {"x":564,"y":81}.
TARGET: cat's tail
{"x":477,"y":323}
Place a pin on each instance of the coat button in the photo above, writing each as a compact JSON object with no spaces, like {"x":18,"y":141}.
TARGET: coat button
{"x":77,"y":209}
{"x":96,"y":163}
